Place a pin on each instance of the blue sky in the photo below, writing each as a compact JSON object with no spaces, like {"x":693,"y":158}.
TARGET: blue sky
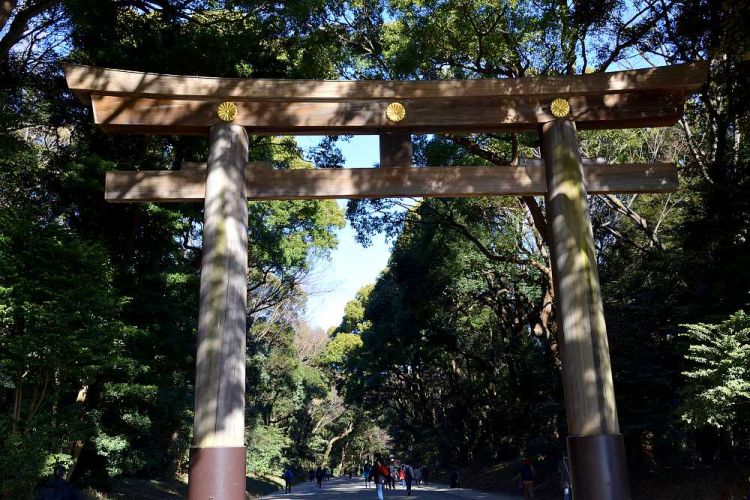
{"x":333,"y":283}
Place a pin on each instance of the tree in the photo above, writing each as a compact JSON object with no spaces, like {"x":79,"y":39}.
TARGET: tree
{"x":57,"y":337}
{"x":718,"y":389}
{"x":132,"y":271}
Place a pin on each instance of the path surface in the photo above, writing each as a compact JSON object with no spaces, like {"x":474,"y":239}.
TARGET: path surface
{"x":354,"y":489}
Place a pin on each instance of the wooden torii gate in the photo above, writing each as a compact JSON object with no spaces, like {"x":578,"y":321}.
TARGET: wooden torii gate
{"x":225,"y":109}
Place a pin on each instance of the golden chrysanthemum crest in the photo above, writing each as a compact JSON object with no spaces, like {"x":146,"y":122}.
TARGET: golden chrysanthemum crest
{"x":227,"y":111}
{"x":395,"y":112}
{"x":560,"y":107}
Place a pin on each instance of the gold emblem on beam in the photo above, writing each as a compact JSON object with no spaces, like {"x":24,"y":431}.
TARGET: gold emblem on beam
{"x":560,"y":108}
{"x":227,"y":111}
{"x":395,"y":112}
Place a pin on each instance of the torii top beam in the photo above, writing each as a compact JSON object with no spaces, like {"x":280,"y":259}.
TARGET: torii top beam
{"x":135,"y":102}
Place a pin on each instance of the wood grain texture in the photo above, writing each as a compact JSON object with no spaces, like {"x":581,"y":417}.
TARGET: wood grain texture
{"x":84,"y":80}
{"x":126,"y":101}
{"x":203,"y":166}
{"x":587,"y":375}
{"x":263,"y":183}
{"x":219,"y":419}
{"x":196,"y":116}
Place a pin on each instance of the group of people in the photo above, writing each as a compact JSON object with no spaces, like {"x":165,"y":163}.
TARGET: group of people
{"x":320,"y":474}
{"x":387,"y":477}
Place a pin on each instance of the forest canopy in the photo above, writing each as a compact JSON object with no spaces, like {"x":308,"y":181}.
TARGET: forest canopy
{"x":451,"y":358}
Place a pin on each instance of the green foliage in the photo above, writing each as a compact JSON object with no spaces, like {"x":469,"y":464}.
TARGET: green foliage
{"x":354,"y":313}
{"x":116,"y":450}
{"x":340,"y":349}
{"x":718,"y":389}
{"x":265,"y":451}
{"x":449,"y":331}
{"x":98,"y":303}
{"x":454,"y":349}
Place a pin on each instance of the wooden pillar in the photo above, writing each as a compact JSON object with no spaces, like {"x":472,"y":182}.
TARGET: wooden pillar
{"x":595,"y":445}
{"x":396,"y":149}
{"x":217,"y":460}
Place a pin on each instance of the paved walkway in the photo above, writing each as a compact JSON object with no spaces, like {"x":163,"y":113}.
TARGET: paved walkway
{"x":354,"y":489}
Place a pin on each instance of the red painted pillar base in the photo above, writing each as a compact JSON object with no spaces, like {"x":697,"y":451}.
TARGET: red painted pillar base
{"x":217,"y":474}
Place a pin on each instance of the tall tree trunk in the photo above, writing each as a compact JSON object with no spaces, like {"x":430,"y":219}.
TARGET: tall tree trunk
{"x":333,"y":440}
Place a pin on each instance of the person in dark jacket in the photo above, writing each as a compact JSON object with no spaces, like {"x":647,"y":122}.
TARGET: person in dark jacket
{"x":288,"y":476}
{"x":319,"y":475}
{"x":58,"y":488}
{"x":455,"y":479}
{"x":366,"y":475}
{"x":409,"y":478}
{"x":527,"y":478}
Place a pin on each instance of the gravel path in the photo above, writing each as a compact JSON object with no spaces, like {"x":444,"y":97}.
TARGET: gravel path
{"x":354,"y":489}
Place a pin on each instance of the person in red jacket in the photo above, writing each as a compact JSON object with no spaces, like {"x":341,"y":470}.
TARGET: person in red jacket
{"x":379,"y":474}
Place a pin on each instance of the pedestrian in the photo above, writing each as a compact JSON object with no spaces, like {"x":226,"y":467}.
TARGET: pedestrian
{"x":418,"y":476}
{"x":455,"y":479}
{"x":58,"y":488}
{"x":319,"y":475}
{"x":402,"y":476}
{"x":393,"y":476}
{"x":527,"y":478}
{"x":379,"y":474}
{"x":366,"y":475}
{"x":288,"y":476}
{"x":425,"y":474}
{"x":409,"y":477}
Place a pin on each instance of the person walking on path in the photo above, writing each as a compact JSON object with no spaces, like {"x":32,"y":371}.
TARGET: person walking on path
{"x":288,"y":476}
{"x":408,"y":477}
{"x":366,"y":475}
{"x":425,"y":475}
{"x":455,"y":479}
{"x":319,"y":474}
{"x":379,"y":474}
{"x":58,"y":488}
{"x":527,"y":478}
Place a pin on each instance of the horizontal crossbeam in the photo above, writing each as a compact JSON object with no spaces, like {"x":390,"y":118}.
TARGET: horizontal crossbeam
{"x":126,"y":101}
{"x":85,"y":80}
{"x":487,"y":114}
{"x":264,"y":183}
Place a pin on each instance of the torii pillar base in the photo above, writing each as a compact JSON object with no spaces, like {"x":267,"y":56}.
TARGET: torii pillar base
{"x":598,"y":467}
{"x":217,"y":458}
{"x":217,"y":473}
{"x":595,"y":445}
